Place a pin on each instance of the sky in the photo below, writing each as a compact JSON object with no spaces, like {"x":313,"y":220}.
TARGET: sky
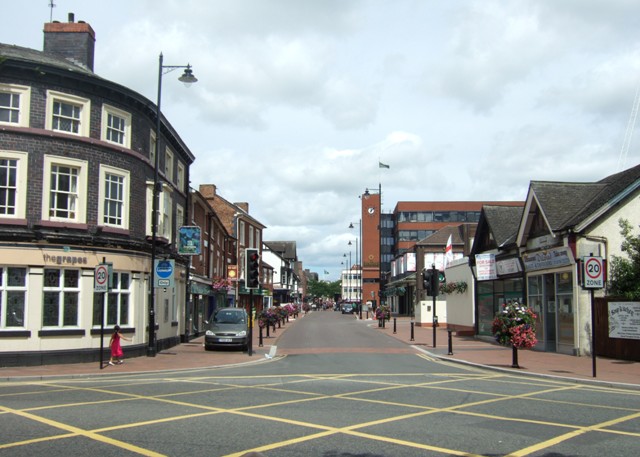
{"x":299,"y":100}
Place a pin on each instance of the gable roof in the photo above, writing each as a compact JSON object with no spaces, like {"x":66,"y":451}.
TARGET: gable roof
{"x":286,"y":249}
{"x":571,"y":205}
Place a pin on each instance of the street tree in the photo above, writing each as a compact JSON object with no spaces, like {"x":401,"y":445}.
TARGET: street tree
{"x":624,"y":279}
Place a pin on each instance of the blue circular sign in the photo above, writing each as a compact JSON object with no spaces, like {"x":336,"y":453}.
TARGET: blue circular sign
{"x":164,"y":269}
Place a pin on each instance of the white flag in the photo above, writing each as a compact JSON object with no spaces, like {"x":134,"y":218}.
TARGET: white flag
{"x":448,"y":251}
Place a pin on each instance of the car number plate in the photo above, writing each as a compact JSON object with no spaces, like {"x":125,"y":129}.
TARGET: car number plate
{"x":225,"y":340}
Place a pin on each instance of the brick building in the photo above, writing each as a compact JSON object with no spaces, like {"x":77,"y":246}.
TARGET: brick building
{"x":77,"y":156}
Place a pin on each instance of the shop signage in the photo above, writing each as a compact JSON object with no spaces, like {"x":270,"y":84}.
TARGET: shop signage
{"x":624,"y":320}
{"x":551,"y":258}
{"x":189,"y":240}
{"x":486,"y":267}
{"x":508,"y":266}
{"x":200,"y":289}
{"x":65,"y":259}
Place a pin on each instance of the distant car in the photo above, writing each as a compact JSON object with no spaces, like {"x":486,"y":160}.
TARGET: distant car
{"x":228,"y":328}
{"x":348,"y":308}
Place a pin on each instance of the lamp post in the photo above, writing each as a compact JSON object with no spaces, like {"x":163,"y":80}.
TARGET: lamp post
{"x":359,"y":263}
{"x":187,"y":78}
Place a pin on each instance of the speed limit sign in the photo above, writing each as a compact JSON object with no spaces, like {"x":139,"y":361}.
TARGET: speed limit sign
{"x":101,"y":278}
{"x":592,"y":273}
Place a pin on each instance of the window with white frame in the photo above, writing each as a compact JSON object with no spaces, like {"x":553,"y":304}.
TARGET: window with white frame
{"x":180,"y":177}
{"x":251,"y":237}
{"x":241,"y":233}
{"x":152,"y":148}
{"x":179,"y":221}
{"x":116,"y":304}
{"x":64,"y":189}
{"x":13,"y":184}
{"x":166,"y":216}
{"x":164,"y":212}
{"x":67,"y":113}
{"x":13,"y":296}
{"x":168,"y":164}
{"x":61,"y":293}
{"x":113,"y":209}
{"x":116,"y":126}
{"x":14,"y":104}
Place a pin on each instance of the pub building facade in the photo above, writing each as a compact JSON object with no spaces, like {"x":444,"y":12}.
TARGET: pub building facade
{"x":77,"y":161}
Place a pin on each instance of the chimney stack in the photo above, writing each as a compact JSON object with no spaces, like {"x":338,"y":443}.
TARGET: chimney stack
{"x":74,"y":41}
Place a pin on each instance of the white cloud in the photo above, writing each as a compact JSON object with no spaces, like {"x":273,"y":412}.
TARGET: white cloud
{"x":297,"y":101}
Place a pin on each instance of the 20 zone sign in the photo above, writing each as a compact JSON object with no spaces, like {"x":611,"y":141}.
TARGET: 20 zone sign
{"x":593,"y":273}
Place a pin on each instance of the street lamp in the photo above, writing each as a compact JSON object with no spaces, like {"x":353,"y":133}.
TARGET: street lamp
{"x":187,"y":78}
{"x":359,"y":283}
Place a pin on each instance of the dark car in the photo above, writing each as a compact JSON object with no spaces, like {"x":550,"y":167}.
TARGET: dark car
{"x":227,"y":328}
{"x":348,"y":308}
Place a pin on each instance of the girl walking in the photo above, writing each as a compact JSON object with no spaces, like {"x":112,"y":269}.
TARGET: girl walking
{"x":116,"y":348}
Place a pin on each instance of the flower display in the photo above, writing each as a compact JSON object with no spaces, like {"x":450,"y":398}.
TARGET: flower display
{"x":515,"y":326}
{"x":383,"y":312}
{"x":267,"y":317}
{"x":458,"y":287}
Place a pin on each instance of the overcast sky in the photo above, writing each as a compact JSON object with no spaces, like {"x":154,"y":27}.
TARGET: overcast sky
{"x":298,"y":100}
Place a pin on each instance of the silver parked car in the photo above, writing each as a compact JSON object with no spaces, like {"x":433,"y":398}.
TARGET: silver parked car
{"x":227,"y":328}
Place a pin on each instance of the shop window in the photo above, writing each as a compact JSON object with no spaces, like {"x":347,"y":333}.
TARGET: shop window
{"x":13,"y":293}
{"x":116,"y":303}
{"x":61,"y":292}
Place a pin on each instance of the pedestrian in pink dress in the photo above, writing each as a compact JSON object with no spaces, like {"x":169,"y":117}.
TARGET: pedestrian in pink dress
{"x":116,"y":348}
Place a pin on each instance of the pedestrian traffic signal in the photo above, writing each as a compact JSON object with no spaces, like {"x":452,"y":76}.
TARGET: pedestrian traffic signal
{"x":252,"y":268}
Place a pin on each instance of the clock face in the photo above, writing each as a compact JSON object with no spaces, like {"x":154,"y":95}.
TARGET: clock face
{"x":371,"y":210}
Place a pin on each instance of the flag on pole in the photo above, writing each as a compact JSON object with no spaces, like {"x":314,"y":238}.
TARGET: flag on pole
{"x":448,"y":251}
{"x":381,"y":165}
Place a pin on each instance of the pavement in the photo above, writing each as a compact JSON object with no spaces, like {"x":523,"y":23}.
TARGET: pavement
{"x":460,"y":349}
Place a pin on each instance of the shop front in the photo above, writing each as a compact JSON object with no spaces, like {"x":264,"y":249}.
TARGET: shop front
{"x":500,"y":281}
{"x":551,"y":294}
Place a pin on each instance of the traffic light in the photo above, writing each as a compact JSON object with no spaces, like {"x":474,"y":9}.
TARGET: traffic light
{"x":252,"y":268}
{"x":435,"y":283}
{"x":431,"y":281}
{"x":426,"y":280}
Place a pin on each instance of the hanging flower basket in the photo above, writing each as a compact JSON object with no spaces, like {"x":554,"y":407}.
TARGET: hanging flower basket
{"x":515,"y":326}
{"x":457,"y":287}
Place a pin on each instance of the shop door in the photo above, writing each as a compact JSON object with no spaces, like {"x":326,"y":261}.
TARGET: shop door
{"x":549,"y":320}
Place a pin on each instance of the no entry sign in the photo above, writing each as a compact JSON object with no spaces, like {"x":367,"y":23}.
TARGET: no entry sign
{"x":592,"y":272}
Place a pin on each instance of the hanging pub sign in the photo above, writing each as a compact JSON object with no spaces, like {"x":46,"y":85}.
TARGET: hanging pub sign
{"x":189,"y":240}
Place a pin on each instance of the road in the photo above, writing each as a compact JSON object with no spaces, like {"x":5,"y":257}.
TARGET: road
{"x":338,"y":387}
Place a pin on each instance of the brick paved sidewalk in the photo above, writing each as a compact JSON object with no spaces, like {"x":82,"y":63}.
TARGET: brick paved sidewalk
{"x":485,"y":352}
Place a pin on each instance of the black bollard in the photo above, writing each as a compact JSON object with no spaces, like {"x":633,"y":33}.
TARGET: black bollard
{"x":383,"y":321}
{"x":514,"y":357}
{"x":268,"y":329}
{"x":260,"y":339}
{"x":412,"y":339}
{"x":394,"y":325}
{"x":450,"y":343}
